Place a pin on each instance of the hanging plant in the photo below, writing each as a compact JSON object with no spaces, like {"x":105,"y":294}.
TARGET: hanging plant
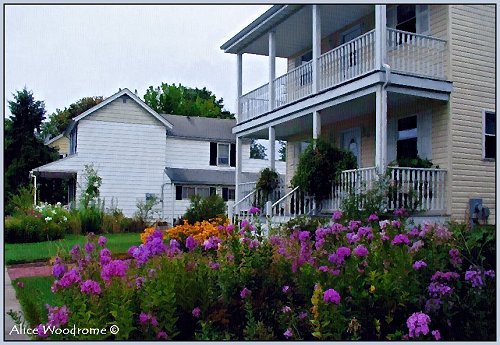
{"x":268,"y":181}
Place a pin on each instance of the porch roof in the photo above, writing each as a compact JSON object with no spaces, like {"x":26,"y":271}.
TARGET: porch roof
{"x":207,"y":177}
{"x":65,"y":167}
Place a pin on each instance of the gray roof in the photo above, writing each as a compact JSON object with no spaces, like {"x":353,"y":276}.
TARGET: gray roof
{"x":204,"y":128}
{"x":207,"y":177}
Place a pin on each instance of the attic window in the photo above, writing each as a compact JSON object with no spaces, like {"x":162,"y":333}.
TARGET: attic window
{"x":124,"y":99}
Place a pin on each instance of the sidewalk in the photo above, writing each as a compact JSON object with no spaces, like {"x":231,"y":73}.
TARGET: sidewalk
{"x":11,"y":302}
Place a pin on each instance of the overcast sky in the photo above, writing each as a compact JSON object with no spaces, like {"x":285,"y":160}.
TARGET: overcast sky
{"x":65,"y":52}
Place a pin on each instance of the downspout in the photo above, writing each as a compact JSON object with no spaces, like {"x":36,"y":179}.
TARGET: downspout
{"x":387,"y":69}
{"x":162,"y":201}
{"x":387,"y":74}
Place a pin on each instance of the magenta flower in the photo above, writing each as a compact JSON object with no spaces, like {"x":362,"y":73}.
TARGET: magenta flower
{"x":400,"y":212}
{"x":75,"y":252}
{"x":139,"y":281}
{"x":69,"y":278}
{"x":105,"y":256}
{"x":400,"y":239}
{"x":490,"y":273}
{"x":90,"y":287}
{"x":323,"y":268}
{"x":196,"y":312}
{"x":254,"y":210}
{"x":154,"y":321}
{"x":245,"y":293}
{"x":58,"y":316}
{"x":211,"y":243}
{"x":436,"y":334}
{"x":58,"y":269}
{"x":343,"y":252}
{"x":41,"y":331}
{"x":372,"y":217}
{"x":419,"y":264}
{"x":445,"y":276}
{"x":475,"y":278}
{"x":331,"y":296}
{"x":214,"y":265}
{"x":162,"y":335}
{"x":418,"y":323}
{"x":143,"y":318}
{"x":230,"y":228}
{"x":286,"y":309}
{"x":288,"y":333}
{"x":360,"y":251}
{"x":190,"y":243}
{"x":455,"y":257}
{"x":337,"y":215}
{"x":20,"y":285}
{"x":116,"y":268}
{"x":89,"y":247}
{"x":102,"y":241}
{"x":285,"y":288}
{"x":303,"y":235}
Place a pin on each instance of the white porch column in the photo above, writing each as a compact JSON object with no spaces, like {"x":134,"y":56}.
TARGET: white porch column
{"x":381,"y":129}
{"x":239,"y":83}
{"x":272,"y":142}
{"x":238,"y":169}
{"x":35,"y":191}
{"x":380,"y":35}
{"x":316,"y":47}
{"x":272,"y":68}
{"x":316,"y":125}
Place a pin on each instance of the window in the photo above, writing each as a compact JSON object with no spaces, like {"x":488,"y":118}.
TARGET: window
{"x":490,"y":141}
{"x":222,"y":154}
{"x":407,"y":138}
{"x":228,"y":194}
{"x":73,"y":140}
{"x":409,"y":18}
{"x":186,"y":192}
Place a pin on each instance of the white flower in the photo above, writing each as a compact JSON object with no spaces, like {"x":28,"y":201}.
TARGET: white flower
{"x":65,"y":219}
{"x":54,"y":212}
{"x":48,"y":219}
{"x":58,"y":203}
{"x":96,"y":184}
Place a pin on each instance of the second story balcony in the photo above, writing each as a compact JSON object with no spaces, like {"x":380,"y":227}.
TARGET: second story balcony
{"x":332,"y":45}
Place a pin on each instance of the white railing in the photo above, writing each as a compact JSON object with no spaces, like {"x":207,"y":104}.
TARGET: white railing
{"x":347,"y":61}
{"x":254,"y":103}
{"x":419,"y":188}
{"x":418,"y":54}
{"x":294,"y":85}
{"x":253,"y":197}
{"x":292,"y":204}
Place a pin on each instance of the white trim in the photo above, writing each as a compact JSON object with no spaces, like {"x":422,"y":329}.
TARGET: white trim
{"x":483,"y":135}
{"x":111,"y":99}
{"x":57,"y":137}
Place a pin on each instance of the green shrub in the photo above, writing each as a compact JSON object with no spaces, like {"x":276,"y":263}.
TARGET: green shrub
{"x":27,"y":228}
{"x":22,"y":202}
{"x":207,"y":208}
{"x":268,"y":182}
{"x":306,"y":223}
{"x":91,"y":219}
{"x":147,"y":211}
{"x":320,"y":166}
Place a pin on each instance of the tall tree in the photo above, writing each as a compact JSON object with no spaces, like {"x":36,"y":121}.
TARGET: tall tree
{"x":181,"y":100}
{"x":282,"y":150}
{"x":60,"y":119}
{"x":23,"y":148}
{"x":257,"y":150}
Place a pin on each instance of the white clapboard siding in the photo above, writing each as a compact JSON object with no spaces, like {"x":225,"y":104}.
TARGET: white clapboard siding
{"x":130,"y":158}
{"x":189,"y":154}
{"x":256,"y":165}
{"x":472,"y":71}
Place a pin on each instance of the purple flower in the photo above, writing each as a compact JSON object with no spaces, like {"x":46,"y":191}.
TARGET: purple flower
{"x":354,"y":225}
{"x":475,"y":278}
{"x":418,"y":323}
{"x":303,"y":235}
{"x":254,"y":210}
{"x":288,"y":333}
{"x":343,"y":251}
{"x":436,"y":334}
{"x":75,"y":252}
{"x":58,"y":316}
{"x":372,"y":217}
{"x":214,"y":265}
{"x":332,"y":296}
{"x":445,"y":276}
{"x":116,"y":268}
{"x":400,"y":212}
{"x":245,"y":293}
{"x":337,"y":215}
{"x":20,"y":285}
{"x":455,"y":257}
{"x":162,"y":335}
{"x":285,"y":289}
{"x":396,"y":223}
{"x":437,"y":289}
{"x":490,"y":273}
{"x":303,"y":315}
{"x":69,"y":278}
{"x":90,"y":287}
{"x":105,"y":256}
{"x":419,"y":264}
{"x":58,"y":269}
{"x":383,"y":224}
{"x":196,"y":312}
{"x":286,"y":309}
{"x":211,"y":243}
{"x":442,"y":232}
{"x":89,"y":247}
{"x":400,"y":239}
{"x":360,"y":251}
{"x":139,"y":281}
{"x":323,"y":268}
{"x":154,"y":321}
{"x":102,"y":241}
{"x":143,"y":318}
{"x":41,"y":331}
{"x":416,"y":246}
{"x":191,"y":243}
{"x":230,"y":228}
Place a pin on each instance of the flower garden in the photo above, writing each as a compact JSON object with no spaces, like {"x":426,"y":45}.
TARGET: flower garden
{"x":350,"y":279}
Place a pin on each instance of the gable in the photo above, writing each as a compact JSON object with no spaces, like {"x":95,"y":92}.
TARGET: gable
{"x":125,"y":110}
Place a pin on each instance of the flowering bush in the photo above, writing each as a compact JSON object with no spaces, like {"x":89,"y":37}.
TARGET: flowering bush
{"x":349,"y":280}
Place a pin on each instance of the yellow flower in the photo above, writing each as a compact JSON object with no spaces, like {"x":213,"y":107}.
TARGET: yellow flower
{"x":372,"y":289}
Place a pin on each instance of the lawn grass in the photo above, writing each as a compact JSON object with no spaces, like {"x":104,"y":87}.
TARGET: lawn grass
{"x":42,"y":251}
{"x":34,"y":296}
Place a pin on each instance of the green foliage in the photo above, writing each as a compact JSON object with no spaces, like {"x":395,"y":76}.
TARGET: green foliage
{"x":147,"y":211}
{"x":207,"y":208}
{"x":90,"y":191}
{"x":91,"y":218}
{"x":29,"y":228}
{"x":181,"y":100}
{"x":257,"y":150}
{"x":23,"y":149}
{"x":268,"y":181}
{"x":60,"y":119}
{"x":413,"y":162}
{"x":282,"y":151}
{"x":305,"y":223}
{"x":320,"y":166}
{"x":22,"y":202}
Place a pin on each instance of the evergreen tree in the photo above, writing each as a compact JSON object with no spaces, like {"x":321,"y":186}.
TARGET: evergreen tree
{"x":257,"y":150}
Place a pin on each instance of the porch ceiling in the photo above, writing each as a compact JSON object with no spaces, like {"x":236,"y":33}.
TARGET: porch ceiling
{"x":293,"y":26}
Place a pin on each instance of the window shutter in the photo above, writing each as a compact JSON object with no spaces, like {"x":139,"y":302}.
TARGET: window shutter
{"x":225,"y":193}
{"x":422,"y":18}
{"x":232,"y":155}
{"x":178,"y":192}
{"x":391,"y":139}
{"x":424,"y":135}
{"x":213,"y":153}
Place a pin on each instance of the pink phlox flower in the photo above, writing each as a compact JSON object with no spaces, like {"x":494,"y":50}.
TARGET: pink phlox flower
{"x":90,"y":287}
{"x":337,"y":215}
{"x":360,"y":250}
{"x":418,"y":324}
{"x":331,"y":296}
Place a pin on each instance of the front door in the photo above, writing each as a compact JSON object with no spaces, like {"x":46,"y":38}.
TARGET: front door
{"x":351,"y":141}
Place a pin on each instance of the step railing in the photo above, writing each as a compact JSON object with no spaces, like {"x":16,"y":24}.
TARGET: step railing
{"x":292,"y":204}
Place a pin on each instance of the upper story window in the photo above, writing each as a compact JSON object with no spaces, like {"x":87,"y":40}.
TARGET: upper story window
{"x":409,"y":18}
{"x":489,"y":141}
{"x":407,"y":138}
{"x":73,"y":140}
{"x":222,"y":154}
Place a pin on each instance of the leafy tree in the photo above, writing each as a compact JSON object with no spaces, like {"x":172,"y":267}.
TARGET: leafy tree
{"x":257,"y":151}
{"x":60,"y":119}
{"x":23,"y":148}
{"x":182,"y":100}
{"x":282,"y":150}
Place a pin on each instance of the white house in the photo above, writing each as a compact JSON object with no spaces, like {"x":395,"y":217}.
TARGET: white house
{"x":138,"y":152}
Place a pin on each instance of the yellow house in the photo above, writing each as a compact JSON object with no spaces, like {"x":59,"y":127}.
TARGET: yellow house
{"x":61,"y":143}
{"x":386,"y":82}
